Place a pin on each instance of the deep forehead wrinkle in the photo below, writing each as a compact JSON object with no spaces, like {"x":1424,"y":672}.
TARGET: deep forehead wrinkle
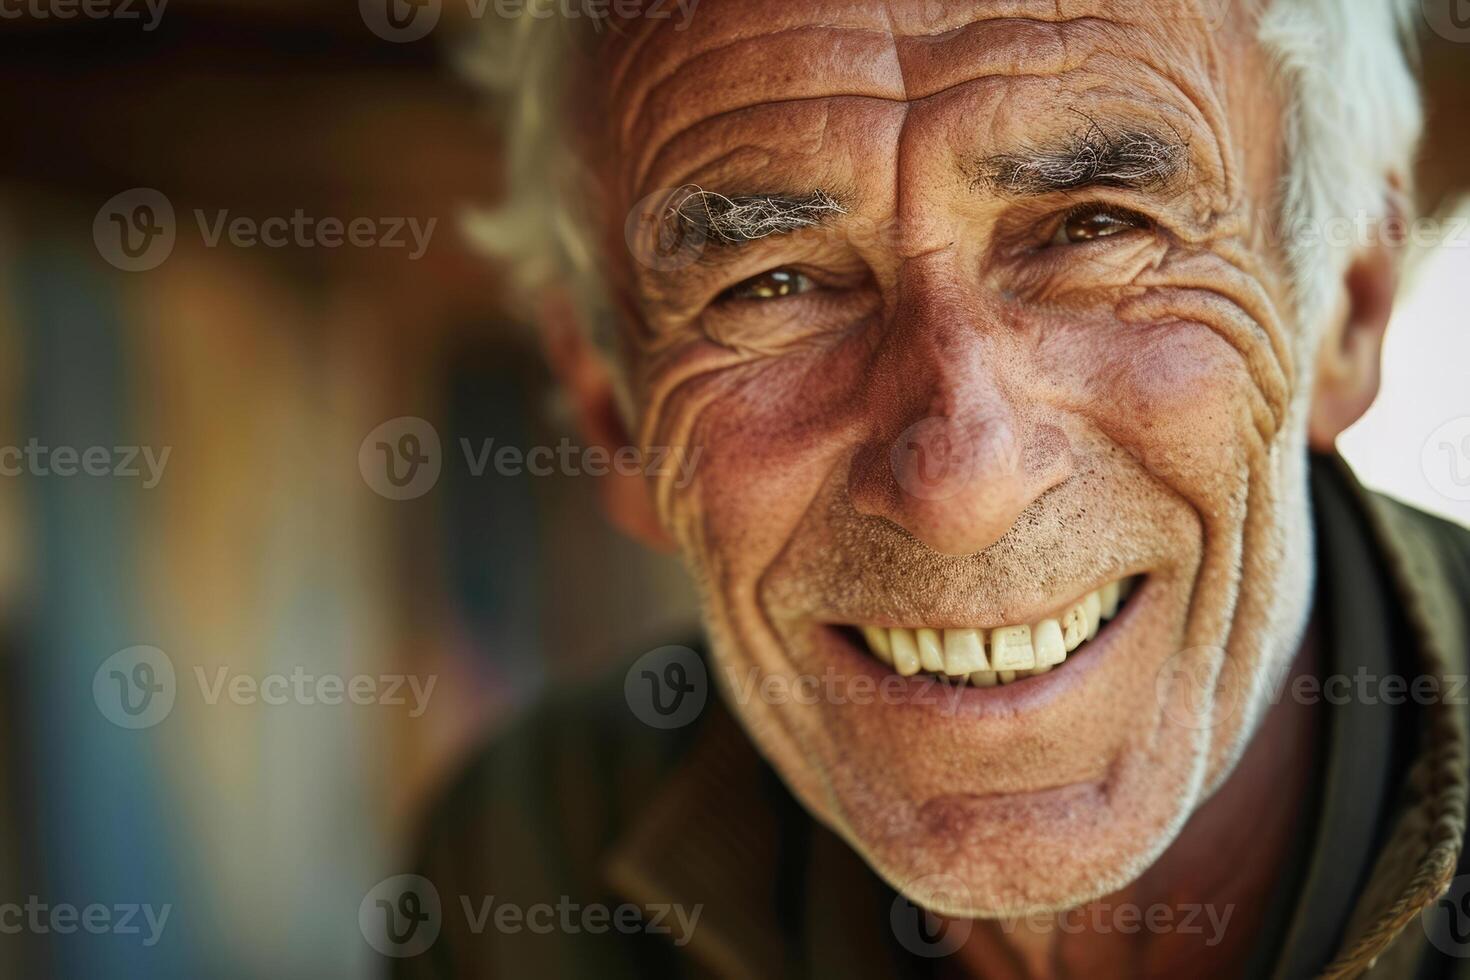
{"x":657,"y":48}
{"x":795,"y":63}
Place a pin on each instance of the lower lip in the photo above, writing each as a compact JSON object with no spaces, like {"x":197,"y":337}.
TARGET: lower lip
{"x":925,"y":692}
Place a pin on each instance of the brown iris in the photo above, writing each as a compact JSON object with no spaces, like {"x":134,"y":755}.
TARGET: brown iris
{"x":776,"y":284}
{"x":1091,"y":222}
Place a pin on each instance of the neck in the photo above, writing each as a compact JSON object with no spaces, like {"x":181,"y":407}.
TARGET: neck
{"x":1219,"y":875}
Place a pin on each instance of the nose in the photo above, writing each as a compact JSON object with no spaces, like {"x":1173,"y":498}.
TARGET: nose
{"x":964,"y":453}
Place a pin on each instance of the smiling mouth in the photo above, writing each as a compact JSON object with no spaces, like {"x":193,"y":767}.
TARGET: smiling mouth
{"x":1002,"y":654}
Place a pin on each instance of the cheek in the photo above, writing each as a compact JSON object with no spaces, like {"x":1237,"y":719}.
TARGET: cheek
{"x":770,"y":433}
{"x":1179,"y":399}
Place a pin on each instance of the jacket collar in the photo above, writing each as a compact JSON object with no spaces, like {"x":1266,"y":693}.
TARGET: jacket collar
{"x":719,"y":831}
{"x":710,"y":837}
{"x":1418,"y":858}
{"x":776,"y":887}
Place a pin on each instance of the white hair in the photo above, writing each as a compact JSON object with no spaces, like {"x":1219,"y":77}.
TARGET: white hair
{"x":1352,"y":124}
{"x":541,"y":230}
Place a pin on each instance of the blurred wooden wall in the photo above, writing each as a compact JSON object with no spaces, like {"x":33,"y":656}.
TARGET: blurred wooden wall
{"x":263,"y":548}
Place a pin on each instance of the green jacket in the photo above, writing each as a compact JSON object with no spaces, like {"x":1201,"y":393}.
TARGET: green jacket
{"x":581,"y":806}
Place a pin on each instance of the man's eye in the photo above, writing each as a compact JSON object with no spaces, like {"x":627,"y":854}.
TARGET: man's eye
{"x":776,"y":284}
{"x":1093,"y":221}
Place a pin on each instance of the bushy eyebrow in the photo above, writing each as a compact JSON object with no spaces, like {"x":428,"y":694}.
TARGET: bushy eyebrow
{"x":735,"y":220}
{"x":1088,"y":157}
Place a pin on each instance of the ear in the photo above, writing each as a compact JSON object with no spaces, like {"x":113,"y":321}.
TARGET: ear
{"x":1349,"y":355}
{"x":586,"y":376}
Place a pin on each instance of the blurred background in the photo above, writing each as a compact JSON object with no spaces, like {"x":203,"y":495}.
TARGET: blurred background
{"x":256,"y":548}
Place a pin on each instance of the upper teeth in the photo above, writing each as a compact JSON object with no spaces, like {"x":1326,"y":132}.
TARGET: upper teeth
{"x":999,"y":655}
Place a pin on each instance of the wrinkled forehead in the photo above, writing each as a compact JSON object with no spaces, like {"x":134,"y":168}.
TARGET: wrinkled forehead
{"x":748,"y":87}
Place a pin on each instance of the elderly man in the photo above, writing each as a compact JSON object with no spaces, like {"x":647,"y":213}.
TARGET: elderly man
{"x":1049,"y":637}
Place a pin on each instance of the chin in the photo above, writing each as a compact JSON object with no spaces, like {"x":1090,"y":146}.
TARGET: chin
{"x":1038,"y":789}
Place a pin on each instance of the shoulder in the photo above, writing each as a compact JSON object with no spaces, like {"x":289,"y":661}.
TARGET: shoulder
{"x":562,"y":781}
{"x":1426,"y":559}
{"x":525,"y":826}
{"x":1431,"y":554}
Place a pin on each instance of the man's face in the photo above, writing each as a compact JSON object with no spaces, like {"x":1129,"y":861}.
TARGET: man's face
{"x":1034,"y":345}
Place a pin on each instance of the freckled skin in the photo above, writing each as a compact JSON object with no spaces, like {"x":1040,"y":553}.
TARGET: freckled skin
{"x":1132,"y":405}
